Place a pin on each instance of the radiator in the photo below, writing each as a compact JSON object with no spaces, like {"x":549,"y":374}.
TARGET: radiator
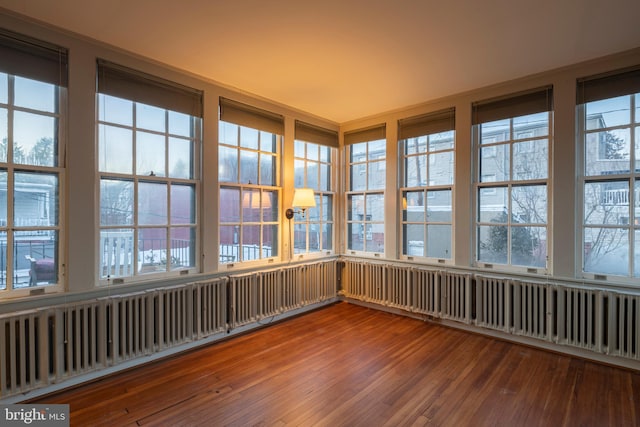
{"x":623,"y":330}
{"x":291,"y":298}
{"x":244,"y":297}
{"x":513,"y":306}
{"x":579,"y":317}
{"x":210,"y":314}
{"x":455,"y":289}
{"x":398,"y":290}
{"x":270,"y":293}
{"x":425,"y":290}
{"x":491,"y":308}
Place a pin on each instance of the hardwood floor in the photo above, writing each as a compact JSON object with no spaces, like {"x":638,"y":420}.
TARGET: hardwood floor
{"x":347,"y":365}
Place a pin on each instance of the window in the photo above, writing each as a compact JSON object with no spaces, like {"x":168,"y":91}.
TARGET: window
{"x":427,"y":145}
{"x":33,"y":82}
{"x":365,"y":196}
{"x":609,"y":123}
{"x":512,"y":138}
{"x":249,"y":174}
{"x":315,"y":153}
{"x":148,"y":141}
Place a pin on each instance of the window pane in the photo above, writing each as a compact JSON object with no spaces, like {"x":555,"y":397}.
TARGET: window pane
{"x":439,"y":241}
{"x":441,"y":169}
{"x":150,"y":154}
{"x":180,"y":158}
{"x":229,"y":239}
{"x":299,"y":237}
{"x":606,"y":202}
{"x":115,"y":110}
{"x":528,"y":246}
{"x":4,"y":135}
{"x":530,"y":126}
{"x":34,"y":139}
{"x":183,"y":209}
{"x":358,"y":152}
{"x":377,"y":150}
{"x":183,"y":247}
{"x":374,"y":238}
{"x":248,"y":167}
{"x":327,"y":236}
{"x":607,"y":152}
{"x":375,"y":207}
{"x":325,"y":178}
{"x":152,"y":203}
{"x":355,"y":203}
{"x":492,"y":204}
{"x":179,"y":124}
{"x":312,"y":175}
{"x":376,"y":175}
{"x":530,"y":160}
{"x":439,"y":206}
{"x":228,"y":133}
{"x":267,"y":169}
{"x":116,"y":149}
{"x":529,"y":204}
{"x":414,"y":239}
{"x":492,"y":243}
{"x":230,"y":205}
{"x":355,"y":236}
{"x":3,"y":257}
{"x":269,"y":241}
{"x":116,"y":202}
{"x":116,"y":253}
{"x":268,"y":142}
{"x":327,"y":208}
{"x":269,"y":203}
{"x":325,"y":154}
{"x":35,"y":199}
{"x":248,"y":138}
{"x":314,"y":238}
{"x":414,"y":206}
{"x":4,"y":88}
{"x":299,"y":149}
{"x":150,"y":117}
{"x":35,"y":257}
{"x":415,"y":145}
{"x":228,"y":161}
{"x":152,"y":249}
{"x":608,"y":112}
{"x":497,"y":131}
{"x":415,"y":171}
{"x":3,"y":201}
{"x":299,"y":174}
{"x":441,"y":140}
{"x":494,"y":161}
{"x":358,"y":175}
{"x":251,"y":206}
{"x":34,"y":94}
{"x":606,"y":250}
{"x":251,"y":242}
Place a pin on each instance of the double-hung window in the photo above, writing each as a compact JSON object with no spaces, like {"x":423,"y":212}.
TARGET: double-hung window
{"x":315,"y":152}
{"x":366,"y":156}
{"x":427,"y":145}
{"x":609,"y":124}
{"x":250,"y":143}
{"x":512,"y":140}
{"x":148,"y":132}
{"x":33,"y":82}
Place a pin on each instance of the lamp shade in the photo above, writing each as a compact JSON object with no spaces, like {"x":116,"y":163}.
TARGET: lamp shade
{"x":303,"y":198}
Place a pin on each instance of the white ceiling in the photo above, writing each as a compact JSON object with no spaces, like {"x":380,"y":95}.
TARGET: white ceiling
{"x":348,"y":59}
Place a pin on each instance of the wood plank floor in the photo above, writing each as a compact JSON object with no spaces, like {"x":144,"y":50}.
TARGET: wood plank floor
{"x":347,"y":365}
